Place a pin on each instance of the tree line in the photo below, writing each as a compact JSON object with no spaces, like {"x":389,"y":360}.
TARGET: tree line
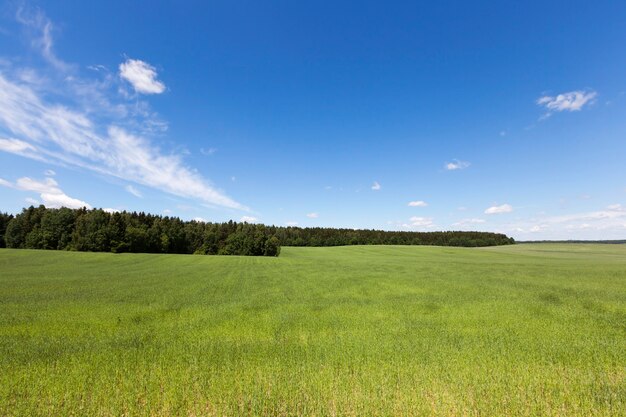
{"x":99,"y":231}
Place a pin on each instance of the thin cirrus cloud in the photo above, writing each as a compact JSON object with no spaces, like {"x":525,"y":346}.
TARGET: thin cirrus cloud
{"x":103,"y":137}
{"x":36,"y":20}
{"x":456,"y":165}
{"x":133,"y":191}
{"x":313,"y":215}
{"x":142,"y":76}
{"x":418,"y":203}
{"x":208,"y":151}
{"x":571,"y":101}
{"x":16,"y":146}
{"x":376,"y":186}
{"x":49,"y":192}
{"x":468,"y":222}
{"x":504,"y":208}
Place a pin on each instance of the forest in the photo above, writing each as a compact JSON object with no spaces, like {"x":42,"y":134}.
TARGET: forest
{"x":97,"y":230}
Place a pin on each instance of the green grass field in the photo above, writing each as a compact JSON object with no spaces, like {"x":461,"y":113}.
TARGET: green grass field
{"x":523,"y":330}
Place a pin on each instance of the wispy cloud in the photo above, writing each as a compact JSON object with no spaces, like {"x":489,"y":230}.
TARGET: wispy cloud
{"x":571,"y":101}
{"x":133,"y":191}
{"x":142,"y":76}
{"x":313,"y":215}
{"x":208,"y":151}
{"x":376,"y":186}
{"x":49,"y":192}
{"x":17,"y":146}
{"x":466,"y":222}
{"x":456,"y":165}
{"x":42,"y":39}
{"x":609,"y":223}
{"x":418,"y":203}
{"x":84,"y":124}
{"x":504,"y":208}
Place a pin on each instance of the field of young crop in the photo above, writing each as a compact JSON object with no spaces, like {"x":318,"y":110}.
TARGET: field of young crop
{"x":523,"y":330}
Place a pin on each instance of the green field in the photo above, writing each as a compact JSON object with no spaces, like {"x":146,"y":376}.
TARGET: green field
{"x":523,"y":330}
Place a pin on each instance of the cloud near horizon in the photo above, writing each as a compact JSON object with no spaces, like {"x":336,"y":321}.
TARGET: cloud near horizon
{"x":609,"y":223}
{"x":419,"y":223}
{"x":466,"y":222}
{"x":49,"y":192}
{"x":248,"y":219}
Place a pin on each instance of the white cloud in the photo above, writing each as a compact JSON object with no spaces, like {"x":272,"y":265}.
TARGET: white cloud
{"x":200,"y":220}
{"x":312,"y":215}
{"x":603,"y":224}
{"x":167,"y":211}
{"x":419,"y":223}
{"x":291,"y":224}
{"x":456,"y":165}
{"x":32,"y":201}
{"x":376,"y":186}
{"x":504,"y":208}
{"x":142,"y":76}
{"x":111,"y":210}
{"x":572,"y":101}
{"x":248,"y":219}
{"x":418,"y":203}
{"x":465,"y":222}
{"x":72,"y":137}
{"x":49,"y":192}
{"x":133,"y":191}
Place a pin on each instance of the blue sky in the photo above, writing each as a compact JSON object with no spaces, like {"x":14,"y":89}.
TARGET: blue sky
{"x":496,"y":116}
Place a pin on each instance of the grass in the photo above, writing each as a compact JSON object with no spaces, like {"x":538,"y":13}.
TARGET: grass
{"x":524,"y":330}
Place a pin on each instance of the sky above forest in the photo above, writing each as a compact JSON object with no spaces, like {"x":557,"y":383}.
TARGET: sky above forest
{"x":492,"y":116}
